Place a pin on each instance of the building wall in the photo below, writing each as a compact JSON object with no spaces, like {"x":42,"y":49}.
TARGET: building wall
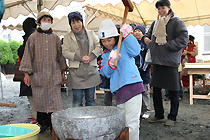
{"x":199,"y":33}
{"x":8,"y":35}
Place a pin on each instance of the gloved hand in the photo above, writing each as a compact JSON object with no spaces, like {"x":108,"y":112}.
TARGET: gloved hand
{"x":112,"y":57}
{"x":126,"y":30}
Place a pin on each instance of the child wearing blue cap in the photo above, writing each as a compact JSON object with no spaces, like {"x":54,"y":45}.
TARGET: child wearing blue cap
{"x":144,"y":70}
{"x":81,"y":48}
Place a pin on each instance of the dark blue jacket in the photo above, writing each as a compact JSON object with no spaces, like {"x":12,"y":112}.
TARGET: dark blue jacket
{"x":105,"y":84}
{"x":145,"y":75}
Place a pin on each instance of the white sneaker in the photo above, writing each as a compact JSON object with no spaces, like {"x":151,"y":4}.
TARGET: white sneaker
{"x":145,"y":116}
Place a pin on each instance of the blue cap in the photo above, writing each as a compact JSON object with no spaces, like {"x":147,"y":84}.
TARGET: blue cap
{"x":74,"y":14}
{"x":140,"y":27}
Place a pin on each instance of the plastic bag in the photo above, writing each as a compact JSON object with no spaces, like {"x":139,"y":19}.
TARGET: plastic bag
{"x":148,"y":59}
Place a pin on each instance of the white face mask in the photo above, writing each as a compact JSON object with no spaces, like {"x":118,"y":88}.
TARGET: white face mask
{"x":45,"y":26}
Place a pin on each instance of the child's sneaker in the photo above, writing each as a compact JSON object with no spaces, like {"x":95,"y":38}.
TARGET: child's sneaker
{"x":145,"y":116}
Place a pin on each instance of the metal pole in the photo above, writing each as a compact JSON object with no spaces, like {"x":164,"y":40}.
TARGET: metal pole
{"x":39,"y":4}
{"x":93,"y":16}
{"x":145,"y":24}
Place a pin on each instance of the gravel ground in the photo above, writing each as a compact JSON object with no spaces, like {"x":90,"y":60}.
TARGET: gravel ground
{"x":193,"y":121}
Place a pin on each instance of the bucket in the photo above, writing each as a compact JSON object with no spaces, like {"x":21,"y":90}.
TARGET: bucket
{"x":25,"y":131}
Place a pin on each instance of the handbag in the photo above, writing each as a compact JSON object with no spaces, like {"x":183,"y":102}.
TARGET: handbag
{"x":184,"y":71}
{"x":19,"y":76}
{"x":148,"y":59}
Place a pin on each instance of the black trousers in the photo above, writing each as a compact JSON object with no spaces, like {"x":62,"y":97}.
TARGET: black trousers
{"x":158,"y":104}
{"x":44,"y":119}
{"x":108,"y":98}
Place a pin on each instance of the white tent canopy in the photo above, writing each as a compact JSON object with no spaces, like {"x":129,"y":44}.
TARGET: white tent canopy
{"x":197,"y":13}
{"x":60,"y":21}
{"x":192,"y":12}
{"x":60,"y":26}
{"x":15,"y":7}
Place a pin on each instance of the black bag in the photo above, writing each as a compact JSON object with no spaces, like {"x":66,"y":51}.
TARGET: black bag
{"x":18,"y":75}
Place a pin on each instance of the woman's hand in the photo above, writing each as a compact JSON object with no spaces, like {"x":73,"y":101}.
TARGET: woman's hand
{"x":26,"y":79}
{"x":86,"y":59}
{"x":184,"y":52}
{"x":147,"y":41}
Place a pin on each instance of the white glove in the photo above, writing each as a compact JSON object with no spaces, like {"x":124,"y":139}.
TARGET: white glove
{"x":113,"y":57}
{"x":126,"y":29}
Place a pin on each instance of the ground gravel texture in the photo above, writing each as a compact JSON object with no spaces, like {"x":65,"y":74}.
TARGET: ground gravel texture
{"x":193,"y":121}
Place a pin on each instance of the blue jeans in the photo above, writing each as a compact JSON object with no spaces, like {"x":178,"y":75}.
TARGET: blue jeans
{"x":78,"y":97}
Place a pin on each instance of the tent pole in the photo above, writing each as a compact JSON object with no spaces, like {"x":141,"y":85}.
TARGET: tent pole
{"x":55,"y":3}
{"x":39,"y":4}
{"x":93,"y":16}
{"x":25,"y":5}
{"x":15,"y":3}
{"x":139,"y":14}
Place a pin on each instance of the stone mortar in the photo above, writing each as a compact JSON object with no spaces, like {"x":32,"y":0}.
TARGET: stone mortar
{"x":89,"y":123}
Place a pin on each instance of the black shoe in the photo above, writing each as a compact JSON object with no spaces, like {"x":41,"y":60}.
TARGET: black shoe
{"x":63,"y":90}
{"x":167,"y":98}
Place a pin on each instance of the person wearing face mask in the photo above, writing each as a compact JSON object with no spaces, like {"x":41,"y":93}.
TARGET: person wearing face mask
{"x":166,"y":38}
{"x":81,"y":47}
{"x":43,"y":66}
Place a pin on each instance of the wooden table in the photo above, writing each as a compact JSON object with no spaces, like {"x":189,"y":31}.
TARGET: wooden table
{"x":197,"y":68}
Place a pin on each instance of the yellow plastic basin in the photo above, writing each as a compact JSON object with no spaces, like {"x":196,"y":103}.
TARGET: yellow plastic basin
{"x":29,"y":136}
